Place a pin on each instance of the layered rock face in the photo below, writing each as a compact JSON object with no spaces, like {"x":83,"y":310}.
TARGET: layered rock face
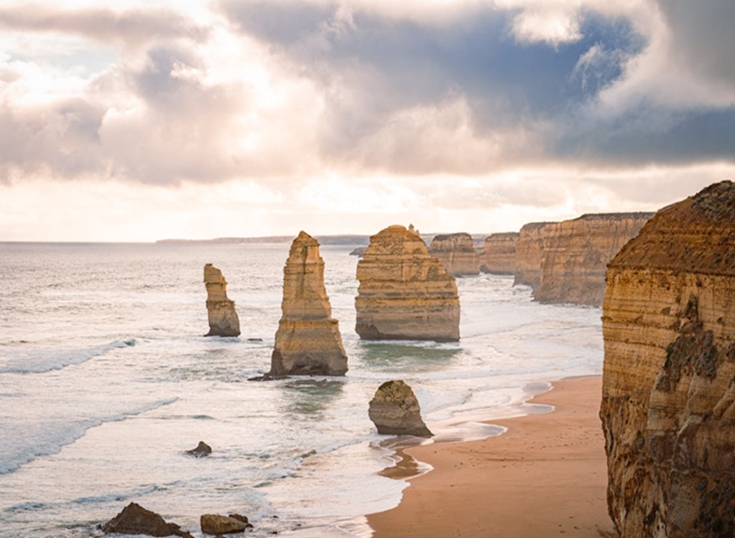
{"x":395,"y":411}
{"x":223,"y":320}
{"x":457,"y":253}
{"x":668,"y":403}
{"x":405,"y":293}
{"x":308,"y":340}
{"x":499,"y":254}
{"x":529,"y":254}
{"x":576,"y":253}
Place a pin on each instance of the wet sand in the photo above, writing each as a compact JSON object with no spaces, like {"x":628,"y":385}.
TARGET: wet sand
{"x":546,"y":476}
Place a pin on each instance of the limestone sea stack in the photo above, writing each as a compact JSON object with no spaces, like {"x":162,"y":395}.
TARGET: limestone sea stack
{"x":668,"y":402}
{"x":576,"y":253}
{"x":223,"y":320}
{"x":457,"y":253}
{"x":395,"y":411}
{"x":308,"y":341}
{"x":405,"y":293}
{"x":499,"y":254}
{"x":529,"y":254}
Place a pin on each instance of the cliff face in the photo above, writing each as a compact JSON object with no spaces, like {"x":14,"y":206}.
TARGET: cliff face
{"x":405,"y":293}
{"x":223,"y":320}
{"x":529,"y":254}
{"x":499,"y":254}
{"x":576,"y":253}
{"x":457,"y":253}
{"x":668,"y":403}
{"x":308,"y":341}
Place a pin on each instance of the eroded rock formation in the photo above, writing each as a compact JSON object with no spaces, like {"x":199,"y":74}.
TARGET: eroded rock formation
{"x":529,"y":254}
{"x":223,"y":320}
{"x":457,"y":253}
{"x":134,"y":519}
{"x":405,"y":293}
{"x":395,"y":411}
{"x":216,"y":524}
{"x":202,"y":450}
{"x":308,"y":341}
{"x":668,"y":403}
{"x":499,"y":254}
{"x":576,"y":253}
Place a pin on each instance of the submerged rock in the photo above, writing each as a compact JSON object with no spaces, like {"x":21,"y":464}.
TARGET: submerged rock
{"x":202,"y":450}
{"x":134,"y":519}
{"x":668,"y":401}
{"x":216,"y":524}
{"x":395,"y":411}
{"x":223,"y":320}
{"x":308,"y":341}
{"x":457,"y":253}
{"x":405,"y":293}
{"x":499,"y":253}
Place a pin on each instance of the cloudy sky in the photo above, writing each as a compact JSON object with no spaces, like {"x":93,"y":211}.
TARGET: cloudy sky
{"x":136,"y":120}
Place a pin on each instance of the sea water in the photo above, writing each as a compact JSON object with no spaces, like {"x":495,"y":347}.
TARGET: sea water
{"x":106,"y":380}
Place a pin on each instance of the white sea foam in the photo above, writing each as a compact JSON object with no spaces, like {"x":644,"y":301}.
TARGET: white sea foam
{"x":35,"y":361}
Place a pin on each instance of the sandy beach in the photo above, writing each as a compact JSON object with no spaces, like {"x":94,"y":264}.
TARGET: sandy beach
{"x":546,"y":476}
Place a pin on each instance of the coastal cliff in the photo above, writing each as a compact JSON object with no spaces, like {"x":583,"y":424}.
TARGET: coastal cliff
{"x":668,"y":402}
{"x":576,"y":253}
{"x":404,"y":293}
{"x":223,"y":320}
{"x":457,"y":253}
{"x":308,"y":341}
{"x":529,"y":254}
{"x":499,"y":254}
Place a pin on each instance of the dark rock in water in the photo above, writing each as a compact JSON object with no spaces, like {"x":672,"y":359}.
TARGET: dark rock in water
{"x":255,"y":339}
{"x":216,"y":524}
{"x":359,"y":252}
{"x":202,"y":450}
{"x":134,"y":519}
{"x":267,"y":377}
{"x":242,"y":519}
{"x":395,"y":411}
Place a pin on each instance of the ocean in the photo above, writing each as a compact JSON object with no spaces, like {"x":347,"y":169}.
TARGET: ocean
{"x":106,"y":380}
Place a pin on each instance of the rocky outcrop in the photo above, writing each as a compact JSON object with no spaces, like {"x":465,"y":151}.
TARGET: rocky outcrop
{"x":576,"y":253}
{"x":457,"y":253}
{"x":134,"y":519}
{"x":529,"y":254}
{"x":223,"y":320}
{"x":499,"y":254}
{"x":395,"y":411}
{"x":405,"y":293}
{"x":359,"y":252}
{"x":668,"y":402}
{"x":308,"y":340}
{"x":216,"y":524}
{"x":202,"y":450}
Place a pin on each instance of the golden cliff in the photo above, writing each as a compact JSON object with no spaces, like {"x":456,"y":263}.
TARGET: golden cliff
{"x":405,"y":293}
{"x":457,"y":253}
{"x":499,"y":254}
{"x":223,"y":320}
{"x":576,"y":253}
{"x":308,"y":341}
{"x":668,"y":402}
{"x":529,"y":254}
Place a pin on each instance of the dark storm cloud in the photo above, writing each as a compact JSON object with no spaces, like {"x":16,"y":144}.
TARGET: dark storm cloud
{"x":129,"y":27}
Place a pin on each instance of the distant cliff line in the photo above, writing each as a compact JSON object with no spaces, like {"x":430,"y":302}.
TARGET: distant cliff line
{"x":353,"y":240}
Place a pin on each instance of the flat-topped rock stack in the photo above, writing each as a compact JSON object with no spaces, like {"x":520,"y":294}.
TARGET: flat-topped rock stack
{"x":405,"y":293}
{"x":308,"y":341}
{"x":668,"y":402}
{"x":395,"y":411}
{"x":529,"y":254}
{"x":576,"y":253}
{"x":457,"y":253}
{"x":499,"y":253}
{"x":223,"y":320}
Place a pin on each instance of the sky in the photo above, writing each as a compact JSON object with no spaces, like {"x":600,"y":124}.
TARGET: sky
{"x":138,"y":120}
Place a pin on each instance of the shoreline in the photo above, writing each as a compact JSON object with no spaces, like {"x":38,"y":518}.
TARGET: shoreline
{"x":547,"y":474}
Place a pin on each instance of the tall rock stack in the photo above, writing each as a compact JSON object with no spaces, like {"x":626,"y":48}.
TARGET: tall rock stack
{"x":405,"y":293}
{"x":499,"y":254}
{"x":308,"y":340}
{"x":529,"y":254}
{"x":668,"y":402}
{"x":576,"y":253}
{"x":223,"y":320}
{"x":457,"y":253}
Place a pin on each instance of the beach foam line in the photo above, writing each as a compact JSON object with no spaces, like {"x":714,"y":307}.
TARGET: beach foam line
{"x":39,"y":361}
